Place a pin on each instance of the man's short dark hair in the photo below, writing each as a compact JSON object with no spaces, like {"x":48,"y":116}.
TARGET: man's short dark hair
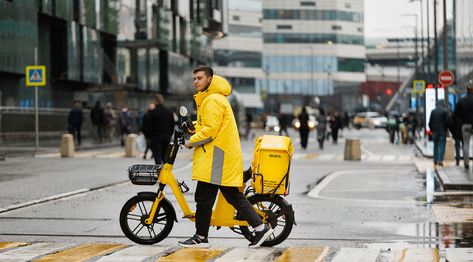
{"x":207,"y":69}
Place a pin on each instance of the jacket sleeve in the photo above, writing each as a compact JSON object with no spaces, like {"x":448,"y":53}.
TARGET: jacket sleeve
{"x":212,"y":117}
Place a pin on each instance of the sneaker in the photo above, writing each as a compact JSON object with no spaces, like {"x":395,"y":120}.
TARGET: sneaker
{"x":467,"y":167}
{"x":261,"y":236}
{"x":440,"y":163}
{"x":195,"y":241}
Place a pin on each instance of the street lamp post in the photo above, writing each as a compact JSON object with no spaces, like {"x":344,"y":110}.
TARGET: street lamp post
{"x":421,"y":34}
{"x":436,"y":62}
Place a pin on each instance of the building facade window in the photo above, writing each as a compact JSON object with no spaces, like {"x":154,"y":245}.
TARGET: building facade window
{"x":304,"y":14}
{"x":237,"y":58}
{"x":313,"y":38}
{"x":284,"y":26}
{"x":307,"y":3}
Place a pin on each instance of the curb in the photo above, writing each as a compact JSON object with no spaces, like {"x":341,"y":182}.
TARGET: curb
{"x":447,"y":184}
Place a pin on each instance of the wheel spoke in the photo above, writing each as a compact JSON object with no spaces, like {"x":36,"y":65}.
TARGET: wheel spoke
{"x":134,"y":218}
{"x":133,"y":231}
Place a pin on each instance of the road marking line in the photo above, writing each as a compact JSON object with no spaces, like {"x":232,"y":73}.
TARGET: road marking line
{"x":246,"y":254}
{"x":42,"y":200}
{"x":5,"y":245}
{"x":373,"y":158}
{"x":297,"y":254}
{"x":35,"y":250}
{"x":417,"y":254}
{"x":311,"y":156}
{"x":388,"y":158}
{"x":83,"y":252}
{"x":326,"y":157}
{"x":315,"y":192}
{"x":356,"y":255}
{"x":134,"y":253}
{"x":192,"y":254}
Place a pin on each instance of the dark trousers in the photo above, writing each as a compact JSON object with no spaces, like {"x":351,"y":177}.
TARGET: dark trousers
{"x":458,"y":146}
{"x":159,"y":145}
{"x":304,"y":138}
{"x":334,"y":135}
{"x":439,"y":145}
{"x":205,"y":196}
{"x":75,"y":131}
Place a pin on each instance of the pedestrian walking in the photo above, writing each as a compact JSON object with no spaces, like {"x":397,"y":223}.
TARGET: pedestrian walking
{"x":304,"y":127}
{"x":335,"y":125}
{"x":282,"y":119}
{"x":110,"y":122}
{"x":97,"y":116}
{"x":144,"y":129}
{"x":464,"y":111}
{"x":321,"y":128}
{"x":75,"y":120}
{"x":124,"y":122}
{"x":455,"y":127}
{"x":438,"y":125}
{"x":249,"y":119}
{"x":160,"y":126}
{"x":217,"y":161}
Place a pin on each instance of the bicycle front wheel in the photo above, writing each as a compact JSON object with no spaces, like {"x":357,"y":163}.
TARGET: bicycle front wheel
{"x":136,"y":211}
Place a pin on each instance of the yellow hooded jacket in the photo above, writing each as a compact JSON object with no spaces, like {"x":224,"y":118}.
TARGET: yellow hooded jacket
{"x":217,"y":151}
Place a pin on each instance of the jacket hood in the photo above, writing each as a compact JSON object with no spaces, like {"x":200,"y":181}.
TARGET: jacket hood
{"x":219,"y":85}
{"x":440,"y":104}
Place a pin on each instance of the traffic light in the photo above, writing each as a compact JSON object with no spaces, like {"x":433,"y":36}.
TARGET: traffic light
{"x":389,"y":92}
{"x":430,"y":85}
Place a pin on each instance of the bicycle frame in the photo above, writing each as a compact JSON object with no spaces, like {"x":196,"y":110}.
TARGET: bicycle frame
{"x":223,"y":213}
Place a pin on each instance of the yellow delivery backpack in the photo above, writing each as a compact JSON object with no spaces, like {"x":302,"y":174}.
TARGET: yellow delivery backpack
{"x":271,"y":163}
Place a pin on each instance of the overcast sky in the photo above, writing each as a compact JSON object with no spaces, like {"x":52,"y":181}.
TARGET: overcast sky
{"x":383,"y":18}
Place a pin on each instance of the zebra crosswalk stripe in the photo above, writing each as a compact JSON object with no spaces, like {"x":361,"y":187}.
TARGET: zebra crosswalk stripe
{"x":108,"y":252}
{"x":417,"y":254}
{"x":5,"y":245}
{"x":27,"y":253}
{"x":303,"y":254}
{"x":356,"y":255}
{"x":245,"y":254}
{"x":83,"y":252}
{"x":459,"y":254}
{"x":134,"y":253}
{"x":191,"y":254}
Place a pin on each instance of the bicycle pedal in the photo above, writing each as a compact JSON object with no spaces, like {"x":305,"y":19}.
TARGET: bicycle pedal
{"x":189,"y":216}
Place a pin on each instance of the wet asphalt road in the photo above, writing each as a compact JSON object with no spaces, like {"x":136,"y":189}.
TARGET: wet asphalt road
{"x":377,"y":202}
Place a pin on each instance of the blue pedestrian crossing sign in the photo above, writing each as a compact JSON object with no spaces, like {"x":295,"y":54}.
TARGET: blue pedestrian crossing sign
{"x":35,"y":75}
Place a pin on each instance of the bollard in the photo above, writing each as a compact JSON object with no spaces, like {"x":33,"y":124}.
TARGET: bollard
{"x":67,"y":145}
{"x":352,"y":149}
{"x":449,"y":150}
{"x":130,"y":145}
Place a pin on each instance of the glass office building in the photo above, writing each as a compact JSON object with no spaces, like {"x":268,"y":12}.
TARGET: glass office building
{"x":314,"y":48}
{"x":116,"y":51}
{"x":239,"y":55}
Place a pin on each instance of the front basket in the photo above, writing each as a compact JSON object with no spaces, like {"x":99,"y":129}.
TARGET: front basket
{"x":144,"y":174}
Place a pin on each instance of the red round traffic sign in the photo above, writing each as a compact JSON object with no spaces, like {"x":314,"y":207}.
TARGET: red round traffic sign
{"x":446,"y":78}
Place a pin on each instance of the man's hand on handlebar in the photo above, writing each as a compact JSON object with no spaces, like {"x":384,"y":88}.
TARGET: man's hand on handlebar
{"x":188,"y":145}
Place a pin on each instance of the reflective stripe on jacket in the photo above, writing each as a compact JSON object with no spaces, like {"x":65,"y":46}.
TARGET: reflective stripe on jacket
{"x":217,"y":151}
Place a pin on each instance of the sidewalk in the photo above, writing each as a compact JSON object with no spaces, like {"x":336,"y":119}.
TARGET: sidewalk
{"x":450,"y":177}
{"x":28,"y":149}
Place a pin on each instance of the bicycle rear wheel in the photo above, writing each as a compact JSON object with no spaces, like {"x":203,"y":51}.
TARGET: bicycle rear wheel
{"x":136,"y":211}
{"x":275,"y":210}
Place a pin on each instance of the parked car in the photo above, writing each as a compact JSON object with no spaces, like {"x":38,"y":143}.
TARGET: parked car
{"x":369,"y":119}
{"x":376,"y":120}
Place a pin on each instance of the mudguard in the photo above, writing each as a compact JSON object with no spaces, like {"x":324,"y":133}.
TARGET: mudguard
{"x":154,"y":195}
{"x":288,"y":210}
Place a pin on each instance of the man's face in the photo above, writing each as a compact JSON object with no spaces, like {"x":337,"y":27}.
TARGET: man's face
{"x":201,"y":80}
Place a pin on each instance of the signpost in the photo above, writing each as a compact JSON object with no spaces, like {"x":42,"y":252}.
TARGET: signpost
{"x":418,"y":86}
{"x":446,"y":78}
{"x":36,"y":76}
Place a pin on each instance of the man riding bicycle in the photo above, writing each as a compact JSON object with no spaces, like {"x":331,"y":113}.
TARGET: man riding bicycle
{"x":217,"y":160}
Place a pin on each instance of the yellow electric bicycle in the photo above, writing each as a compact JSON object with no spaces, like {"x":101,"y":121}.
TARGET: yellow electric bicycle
{"x":148,"y":217}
